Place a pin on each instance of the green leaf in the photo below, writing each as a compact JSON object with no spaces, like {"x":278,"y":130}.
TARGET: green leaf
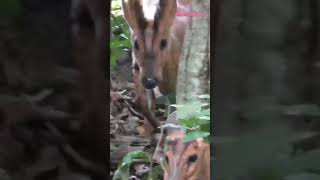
{"x":205,"y":127}
{"x":205,"y":118}
{"x":195,"y":135}
{"x":124,"y":37}
{"x":115,"y":54}
{"x":189,"y":109}
{"x":131,"y":156}
{"x":116,"y":7}
{"x":124,"y":166}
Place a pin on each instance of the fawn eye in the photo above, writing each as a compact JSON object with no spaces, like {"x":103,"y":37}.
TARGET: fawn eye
{"x":136,"y":45}
{"x":193,"y":158}
{"x":163,"y":44}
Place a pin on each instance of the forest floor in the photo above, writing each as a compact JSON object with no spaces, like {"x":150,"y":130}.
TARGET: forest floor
{"x":38,"y":122}
{"x":129,"y":130}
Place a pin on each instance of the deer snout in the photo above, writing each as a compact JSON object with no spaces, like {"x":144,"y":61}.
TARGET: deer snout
{"x":150,"y":83}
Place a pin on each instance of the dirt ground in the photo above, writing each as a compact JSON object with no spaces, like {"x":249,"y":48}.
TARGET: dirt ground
{"x":129,"y":130}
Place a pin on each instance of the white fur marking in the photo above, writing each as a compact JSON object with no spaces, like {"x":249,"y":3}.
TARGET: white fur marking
{"x":157,"y":92}
{"x":149,"y":8}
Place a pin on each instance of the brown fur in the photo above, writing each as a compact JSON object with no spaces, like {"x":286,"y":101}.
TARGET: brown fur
{"x":178,"y":166}
{"x":176,"y":158}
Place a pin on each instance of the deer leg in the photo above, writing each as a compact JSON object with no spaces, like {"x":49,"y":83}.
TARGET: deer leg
{"x":141,"y":101}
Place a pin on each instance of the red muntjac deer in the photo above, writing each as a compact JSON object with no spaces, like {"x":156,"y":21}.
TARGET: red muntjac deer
{"x":89,"y":37}
{"x":157,"y":38}
{"x":181,"y":161}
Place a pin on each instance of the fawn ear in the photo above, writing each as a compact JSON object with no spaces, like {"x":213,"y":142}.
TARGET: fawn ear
{"x":133,"y":13}
{"x":165,"y":15}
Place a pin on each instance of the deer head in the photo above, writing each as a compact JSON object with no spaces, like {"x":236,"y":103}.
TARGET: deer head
{"x":182,"y":161}
{"x":150,"y":22}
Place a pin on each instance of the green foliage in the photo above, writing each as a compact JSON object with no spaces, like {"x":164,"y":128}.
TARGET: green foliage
{"x":195,"y":117}
{"x":10,"y":8}
{"x":123,"y":171}
{"x":120,"y":40}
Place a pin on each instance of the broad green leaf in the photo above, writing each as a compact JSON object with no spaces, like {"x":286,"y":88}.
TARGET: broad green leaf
{"x":195,"y":135}
{"x":189,"y":123}
{"x":204,"y":117}
{"x":124,"y":165}
{"x":131,"y":156}
{"x":189,"y":109}
{"x":116,"y":7}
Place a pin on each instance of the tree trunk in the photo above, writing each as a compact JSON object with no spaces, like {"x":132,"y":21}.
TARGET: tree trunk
{"x":194,"y":75}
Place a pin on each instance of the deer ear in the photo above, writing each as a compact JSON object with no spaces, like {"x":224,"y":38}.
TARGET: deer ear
{"x":133,"y":13}
{"x":165,"y":14}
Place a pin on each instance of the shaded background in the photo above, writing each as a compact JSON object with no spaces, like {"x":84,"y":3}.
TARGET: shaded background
{"x":266,"y":89}
{"x":39,"y":95}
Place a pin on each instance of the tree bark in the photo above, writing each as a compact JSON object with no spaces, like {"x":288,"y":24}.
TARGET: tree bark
{"x":193,"y":74}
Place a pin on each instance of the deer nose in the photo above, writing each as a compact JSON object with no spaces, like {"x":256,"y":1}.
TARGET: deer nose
{"x":150,"y":83}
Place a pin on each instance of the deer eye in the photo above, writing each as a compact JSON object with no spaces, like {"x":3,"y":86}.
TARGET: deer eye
{"x":163,"y":44}
{"x":193,"y":158}
{"x":136,"y":67}
{"x":136,"y":45}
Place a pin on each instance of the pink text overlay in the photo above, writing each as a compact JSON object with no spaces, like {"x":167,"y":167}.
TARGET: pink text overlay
{"x":189,"y":14}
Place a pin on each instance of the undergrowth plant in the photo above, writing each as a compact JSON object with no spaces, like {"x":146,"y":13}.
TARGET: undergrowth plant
{"x":194,"y":116}
{"x":124,"y":167}
{"x":120,"y":37}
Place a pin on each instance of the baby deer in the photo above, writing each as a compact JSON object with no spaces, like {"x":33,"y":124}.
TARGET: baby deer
{"x":181,"y":161}
{"x":157,"y":39}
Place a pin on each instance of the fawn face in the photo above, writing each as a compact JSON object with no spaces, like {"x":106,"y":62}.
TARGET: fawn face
{"x":182,"y":161}
{"x":150,"y":22}
{"x":187,"y":161}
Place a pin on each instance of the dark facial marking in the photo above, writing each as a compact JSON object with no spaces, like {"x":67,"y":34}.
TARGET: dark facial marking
{"x":163,"y":44}
{"x":193,"y":158}
{"x":158,"y":15}
{"x":136,"y":45}
{"x":136,"y":67}
{"x":142,"y":22}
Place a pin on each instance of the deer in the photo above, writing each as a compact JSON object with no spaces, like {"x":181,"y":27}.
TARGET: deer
{"x":89,"y":40}
{"x":179,"y":160}
{"x":157,"y":36}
